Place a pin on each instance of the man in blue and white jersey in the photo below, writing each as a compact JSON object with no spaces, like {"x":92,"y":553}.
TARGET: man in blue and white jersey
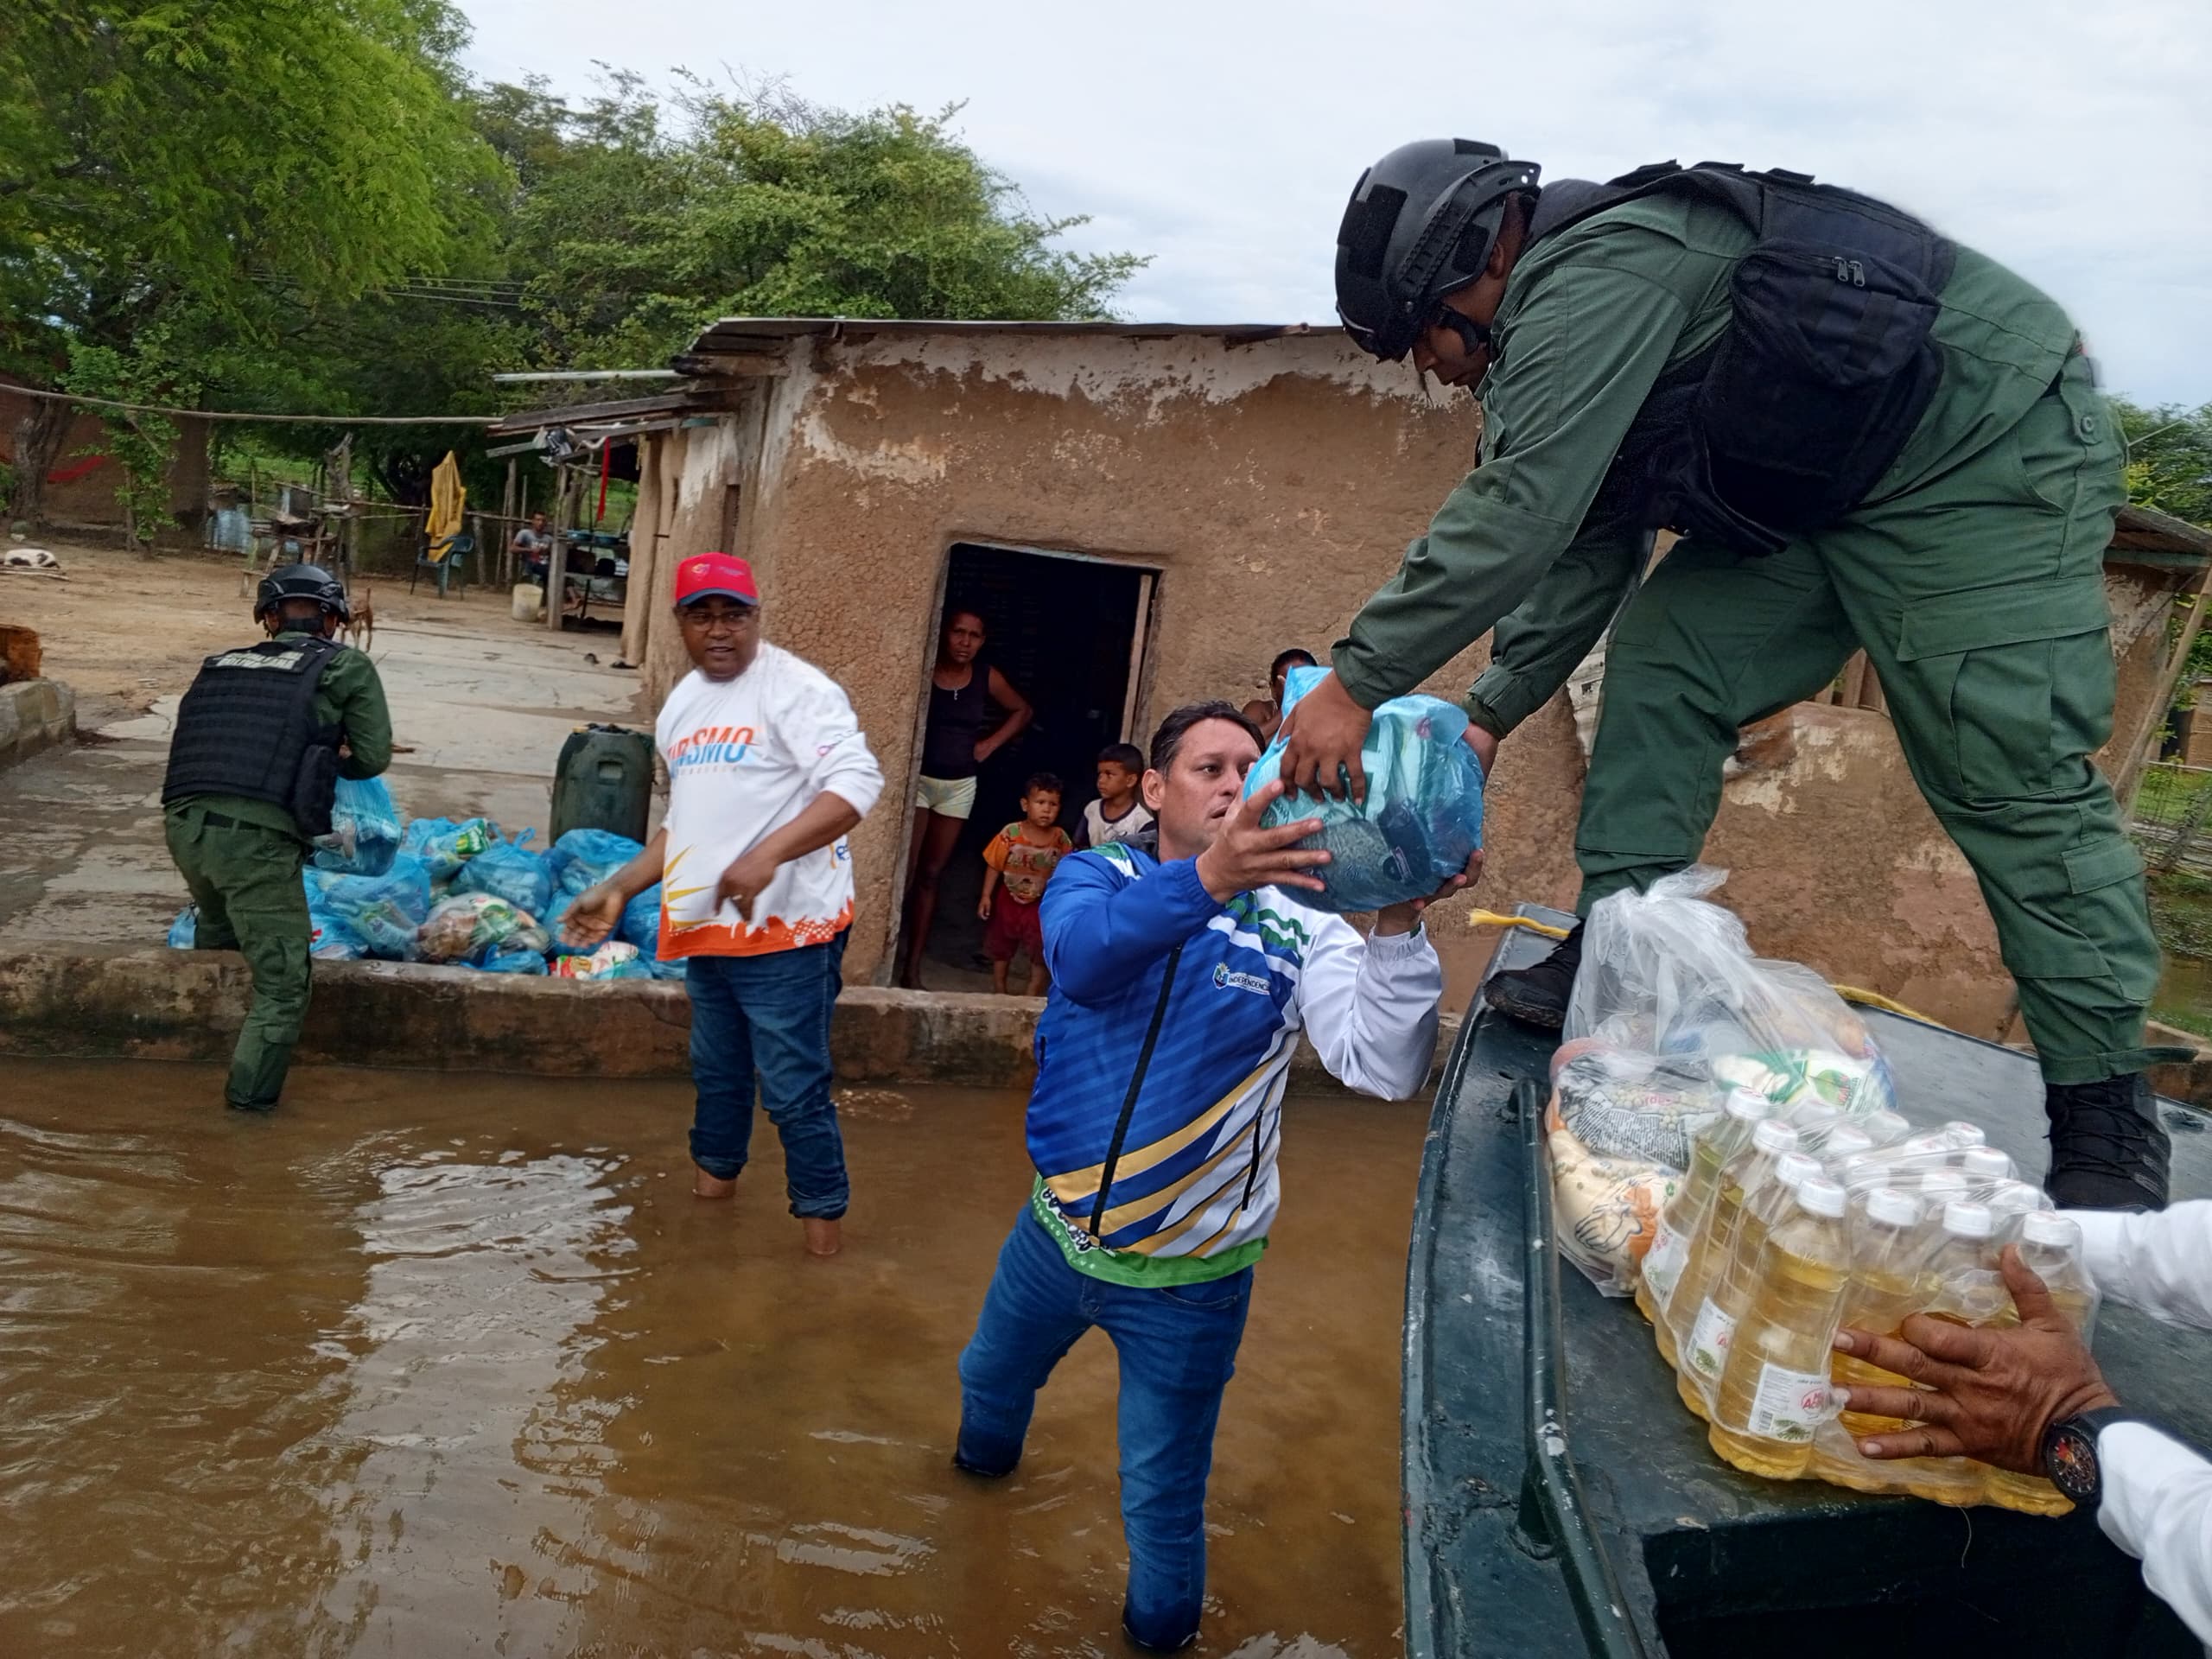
{"x":1180,"y":985}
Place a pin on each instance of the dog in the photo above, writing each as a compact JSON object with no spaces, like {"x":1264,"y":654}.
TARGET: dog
{"x":360,"y":628}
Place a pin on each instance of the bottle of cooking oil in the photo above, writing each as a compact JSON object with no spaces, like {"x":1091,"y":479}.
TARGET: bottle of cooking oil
{"x":1736,"y":1281}
{"x":1748,"y":1170}
{"x":1839,"y":1146}
{"x":1985,"y":1169}
{"x":1965,"y":1289}
{"x":1726,"y":1136}
{"x":2051,"y":1245}
{"x":2011,"y":1202}
{"x":1963,"y":1135}
{"x":1884,"y":1128}
{"x":1888,"y":1282}
{"x":1775,"y":1388}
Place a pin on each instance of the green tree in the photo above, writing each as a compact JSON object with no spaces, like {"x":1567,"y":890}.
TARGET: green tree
{"x":186,"y":168}
{"x":2169,"y":459}
{"x":649,"y":220}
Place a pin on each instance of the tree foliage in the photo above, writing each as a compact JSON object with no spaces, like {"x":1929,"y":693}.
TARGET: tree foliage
{"x":2169,"y":459}
{"x":286,"y":204}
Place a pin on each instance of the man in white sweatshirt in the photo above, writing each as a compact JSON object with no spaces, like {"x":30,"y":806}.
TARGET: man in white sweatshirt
{"x":2030,"y":1398}
{"x":767,"y":771}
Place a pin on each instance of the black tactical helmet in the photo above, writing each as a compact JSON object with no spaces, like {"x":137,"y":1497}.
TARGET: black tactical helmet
{"x":1420,"y":224}
{"x":301,"y":582}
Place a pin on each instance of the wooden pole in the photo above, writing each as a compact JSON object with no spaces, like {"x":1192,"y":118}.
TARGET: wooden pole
{"x":556,"y":560}
{"x":2137,"y":758}
{"x":507,"y":534}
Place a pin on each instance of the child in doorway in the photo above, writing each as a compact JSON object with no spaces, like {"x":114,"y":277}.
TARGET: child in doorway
{"x":1021,"y":858}
{"x":1118,"y":814}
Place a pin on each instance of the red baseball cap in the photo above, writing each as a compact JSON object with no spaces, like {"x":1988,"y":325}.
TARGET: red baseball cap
{"x":703,"y":575}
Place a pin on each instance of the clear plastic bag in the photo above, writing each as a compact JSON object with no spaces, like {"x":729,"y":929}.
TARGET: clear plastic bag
{"x":1423,"y":816}
{"x":364,"y":828}
{"x":1666,"y":973}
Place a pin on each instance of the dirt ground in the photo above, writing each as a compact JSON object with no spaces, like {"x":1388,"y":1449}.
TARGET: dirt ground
{"x":480,"y":706}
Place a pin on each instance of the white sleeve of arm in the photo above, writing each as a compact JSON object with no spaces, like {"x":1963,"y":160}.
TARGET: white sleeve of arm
{"x":1370,"y":1007}
{"x":2158,"y":1507}
{"x":843,"y":765}
{"x":2160,"y":1263}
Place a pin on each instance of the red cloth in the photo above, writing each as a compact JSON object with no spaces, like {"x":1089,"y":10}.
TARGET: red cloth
{"x":1013,"y":927}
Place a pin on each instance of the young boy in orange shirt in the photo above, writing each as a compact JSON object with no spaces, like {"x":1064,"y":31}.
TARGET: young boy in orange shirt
{"x":1021,"y":858}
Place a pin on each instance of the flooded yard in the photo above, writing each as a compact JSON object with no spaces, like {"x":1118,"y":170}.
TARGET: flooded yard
{"x":430,"y":1365}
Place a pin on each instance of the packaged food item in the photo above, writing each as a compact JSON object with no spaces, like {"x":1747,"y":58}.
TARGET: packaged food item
{"x":616,"y":959}
{"x":1623,"y":1104}
{"x":467,"y":927}
{"x":1422,"y":819}
{"x":1604,"y":1211}
{"x":445,"y":844}
{"x":508,"y":870}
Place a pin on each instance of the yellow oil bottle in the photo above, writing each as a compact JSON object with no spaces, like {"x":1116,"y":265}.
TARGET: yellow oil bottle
{"x":1726,"y":1137}
{"x":1888,"y":1283}
{"x":1966,"y":1290}
{"x":1774,"y":1389}
{"x":1746,"y":1173}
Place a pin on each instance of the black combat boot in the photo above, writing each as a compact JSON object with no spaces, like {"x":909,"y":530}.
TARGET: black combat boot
{"x":2108,"y":1151}
{"x":1537,"y":996}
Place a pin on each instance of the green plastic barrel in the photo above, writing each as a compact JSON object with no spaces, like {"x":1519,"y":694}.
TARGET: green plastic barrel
{"x":604,"y":781}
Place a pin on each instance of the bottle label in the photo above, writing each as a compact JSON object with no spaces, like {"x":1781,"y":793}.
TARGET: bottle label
{"x":1664,"y":1262}
{"x":1787,"y":1405}
{"x":1709,"y":1340}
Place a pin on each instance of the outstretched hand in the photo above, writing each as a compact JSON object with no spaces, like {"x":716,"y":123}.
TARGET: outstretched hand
{"x":1324,"y":731}
{"x":1985,"y":1392}
{"x":1244,"y":855}
{"x":1400,"y":918}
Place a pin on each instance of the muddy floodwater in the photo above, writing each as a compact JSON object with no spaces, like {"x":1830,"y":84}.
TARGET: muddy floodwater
{"x":430,"y":1365}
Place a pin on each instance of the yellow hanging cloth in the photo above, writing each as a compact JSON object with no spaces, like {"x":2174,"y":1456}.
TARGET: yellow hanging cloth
{"x":447,"y":496}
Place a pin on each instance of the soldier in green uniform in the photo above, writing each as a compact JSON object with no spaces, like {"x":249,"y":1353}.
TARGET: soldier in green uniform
{"x":1870,"y":437}
{"x":262,"y":738}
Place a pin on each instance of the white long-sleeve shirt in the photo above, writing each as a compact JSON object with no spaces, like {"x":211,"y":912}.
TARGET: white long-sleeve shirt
{"x":744,"y":757}
{"x":2157,"y":1492}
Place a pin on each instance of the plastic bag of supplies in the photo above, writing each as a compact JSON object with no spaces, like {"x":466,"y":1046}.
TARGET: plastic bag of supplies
{"x":1421,"y":820}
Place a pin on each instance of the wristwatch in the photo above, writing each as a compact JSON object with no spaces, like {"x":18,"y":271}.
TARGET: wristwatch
{"x":2069,"y":1452}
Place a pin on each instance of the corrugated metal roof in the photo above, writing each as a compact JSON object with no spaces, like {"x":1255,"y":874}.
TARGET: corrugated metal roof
{"x":749,"y":335}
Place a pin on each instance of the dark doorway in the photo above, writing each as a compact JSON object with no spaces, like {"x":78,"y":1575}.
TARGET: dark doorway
{"x":1068,"y":632}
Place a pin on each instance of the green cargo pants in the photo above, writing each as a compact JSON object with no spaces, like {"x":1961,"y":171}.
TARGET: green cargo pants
{"x":245,"y":879}
{"x":1979,"y":599}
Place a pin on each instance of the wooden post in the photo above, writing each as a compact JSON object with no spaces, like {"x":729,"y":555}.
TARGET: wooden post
{"x":2136,"y":761}
{"x":556,"y":560}
{"x":507,"y":529}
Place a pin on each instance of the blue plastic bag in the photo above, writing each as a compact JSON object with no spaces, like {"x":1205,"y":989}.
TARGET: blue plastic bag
{"x":508,"y":870}
{"x":364,"y":828}
{"x":640,"y":923}
{"x":185,"y":928}
{"x":445,"y":844}
{"x":1423,"y":816}
{"x":329,"y":938}
{"x":474,"y":927}
{"x":555,"y":914}
{"x":380,"y":913}
{"x":584,"y":858}
{"x":514,"y":962}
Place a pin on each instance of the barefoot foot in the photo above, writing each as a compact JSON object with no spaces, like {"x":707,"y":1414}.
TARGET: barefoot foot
{"x":704,"y":1185}
{"x":823,"y":1237}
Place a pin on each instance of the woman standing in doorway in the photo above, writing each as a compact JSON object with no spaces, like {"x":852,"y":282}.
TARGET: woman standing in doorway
{"x":963,"y":688}
{"x":1267,"y":713}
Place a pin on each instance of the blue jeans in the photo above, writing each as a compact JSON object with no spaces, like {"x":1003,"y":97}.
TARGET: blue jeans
{"x":769,"y":1016}
{"x":1178,"y":1349}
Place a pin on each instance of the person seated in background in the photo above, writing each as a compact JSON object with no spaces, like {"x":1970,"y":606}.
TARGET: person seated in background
{"x":1021,"y":858}
{"x":2030,"y":1398}
{"x":1266,"y":713}
{"x":1118,"y":814}
{"x":532,"y":544}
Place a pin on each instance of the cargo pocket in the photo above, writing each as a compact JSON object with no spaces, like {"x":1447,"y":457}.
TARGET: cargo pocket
{"x":2021,"y":679}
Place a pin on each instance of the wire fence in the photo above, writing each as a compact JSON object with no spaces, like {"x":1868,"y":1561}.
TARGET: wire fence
{"x":2173,"y":818}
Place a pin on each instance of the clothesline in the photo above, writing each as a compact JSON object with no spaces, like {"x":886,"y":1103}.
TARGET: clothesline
{"x":242,"y":414}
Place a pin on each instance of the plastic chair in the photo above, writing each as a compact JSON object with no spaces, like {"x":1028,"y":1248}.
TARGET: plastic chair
{"x":446,"y":568}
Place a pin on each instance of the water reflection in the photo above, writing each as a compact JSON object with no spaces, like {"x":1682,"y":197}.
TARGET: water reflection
{"x":486,"y":1278}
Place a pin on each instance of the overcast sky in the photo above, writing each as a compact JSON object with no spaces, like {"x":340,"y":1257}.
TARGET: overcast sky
{"x":2071,"y":139}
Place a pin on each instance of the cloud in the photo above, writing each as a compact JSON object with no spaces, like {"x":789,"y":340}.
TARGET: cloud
{"x":2071,"y":142}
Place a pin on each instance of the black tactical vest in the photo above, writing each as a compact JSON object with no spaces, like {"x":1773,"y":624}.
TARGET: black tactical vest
{"x":1789,"y":420}
{"x":248,"y":727}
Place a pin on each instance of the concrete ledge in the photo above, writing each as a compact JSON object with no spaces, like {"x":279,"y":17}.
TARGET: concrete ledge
{"x":187,"y":1005}
{"x":35,"y":714}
